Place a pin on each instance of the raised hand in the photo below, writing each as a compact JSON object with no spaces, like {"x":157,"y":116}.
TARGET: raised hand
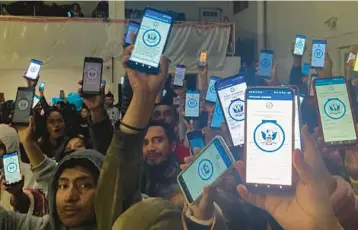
{"x":93,"y":101}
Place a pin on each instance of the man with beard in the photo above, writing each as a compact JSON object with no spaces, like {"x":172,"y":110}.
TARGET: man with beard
{"x":161,"y":167}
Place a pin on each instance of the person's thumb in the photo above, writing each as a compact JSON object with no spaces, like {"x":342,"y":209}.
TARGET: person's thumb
{"x":31,"y":122}
{"x":206,"y":200}
{"x":303,"y":169}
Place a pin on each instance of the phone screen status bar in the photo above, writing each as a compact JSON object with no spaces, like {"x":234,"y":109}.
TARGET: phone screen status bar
{"x":277,"y":92}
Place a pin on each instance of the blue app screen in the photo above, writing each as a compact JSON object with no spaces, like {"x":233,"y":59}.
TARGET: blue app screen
{"x":151,"y":38}
{"x":318,"y":53}
{"x":306,"y":69}
{"x":211,"y":93}
{"x":192,"y":103}
{"x":265,"y":65}
{"x":208,"y":167}
{"x":132,"y":28}
{"x":218,"y":116}
{"x":269,"y":136}
{"x":196,"y":143}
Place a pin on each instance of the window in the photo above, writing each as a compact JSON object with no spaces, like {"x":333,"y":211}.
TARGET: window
{"x":240,"y":6}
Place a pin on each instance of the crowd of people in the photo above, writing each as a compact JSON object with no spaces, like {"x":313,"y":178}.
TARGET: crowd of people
{"x":104,"y":167}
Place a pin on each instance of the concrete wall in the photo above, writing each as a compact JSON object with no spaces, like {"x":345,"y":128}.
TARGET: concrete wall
{"x":286,"y":19}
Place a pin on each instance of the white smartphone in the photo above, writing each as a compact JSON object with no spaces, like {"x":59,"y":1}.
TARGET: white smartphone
{"x":92,"y":75}
{"x":318,"y":53}
{"x":299,"y":45}
{"x":192,"y":104}
{"x":297,"y":143}
{"x":335,"y":111}
{"x":265,"y":64}
{"x":269,"y":133}
{"x":211,"y":92}
{"x":11,"y":165}
{"x":209,"y":165}
{"x":179,"y":76}
{"x":34,"y":69}
{"x":231,"y":93}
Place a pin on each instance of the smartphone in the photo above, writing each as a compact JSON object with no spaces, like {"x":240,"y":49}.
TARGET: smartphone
{"x":217,"y":117}
{"x":132,"y":27}
{"x":265,"y":63}
{"x":297,"y":143}
{"x":311,"y":88}
{"x":34,"y":69}
{"x":231,"y":94}
{"x":196,"y":140}
{"x":269,"y":134}
{"x":213,"y":161}
{"x":335,"y":109}
{"x":299,"y":45}
{"x":306,"y":69}
{"x":12,"y":170}
{"x":62,"y":94}
{"x":211,"y":92}
{"x":23,"y":105}
{"x":92,"y":75}
{"x":203,"y":119}
{"x":179,"y":76}
{"x":203,"y":59}
{"x":151,"y":41}
{"x":318,"y":53}
{"x":36,"y":100}
{"x":192,"y":104}
{"x":42,"y":86}
{"x":69,"y":14}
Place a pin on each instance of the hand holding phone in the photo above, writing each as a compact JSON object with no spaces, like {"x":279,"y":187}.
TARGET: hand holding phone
{"x":269,"y":139}
{"x":12,"y":172}
{"x":213,"y":161}
{"x":33,"y":70}
{"x":318,"y":53}
{"x":299,"y":45}
{"x":265,"y":63}
{"x":192,"y":104}
{"x":151,"y":41}
{"x":132,"y":29}
{"x":335,"y":110}
{"x":92,"y":76}
{"x":203,"y":58}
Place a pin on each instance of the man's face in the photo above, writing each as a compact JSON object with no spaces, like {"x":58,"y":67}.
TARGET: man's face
{"x":84,"y":113}
{"x":163,"y":113}
{"x":56,"y":125}
{"x":108,"y":101}
{"x":75,"y":197}
{"x":156,"y":147}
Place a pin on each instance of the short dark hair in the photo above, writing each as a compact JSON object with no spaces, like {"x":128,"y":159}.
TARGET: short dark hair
{"x":109,"y":94}
{"x":169,"y":132}
{"x":174,"y":111}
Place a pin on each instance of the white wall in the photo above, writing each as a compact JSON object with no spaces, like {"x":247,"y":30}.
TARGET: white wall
{"x":190,"y":8}
{"x":286,"y":19}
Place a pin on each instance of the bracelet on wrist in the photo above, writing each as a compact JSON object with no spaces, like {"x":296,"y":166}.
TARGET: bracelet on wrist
{"x":132,"y":127}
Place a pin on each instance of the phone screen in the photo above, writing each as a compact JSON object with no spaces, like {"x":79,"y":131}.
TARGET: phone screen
{"x":211,"y":92}
{"x":203,"y":58}
{"x":34,"y":69}
{"x":131,"y":28}
{"x":42,"y":86}
{"x":269,"y":134}
{"x":299,"y":45}
{"x":92,"y":73}
{"x":305,"y":69}
{"x":218,"y":116}
{"x":35,"y":101}
{"x":265,"y":64}
{"x":214,"y":160}
{"x":231,"y":93}
{"x":335,"y":111}
{"x":151,"y":39}
{"x":12,"y":167}
{"x":23,"y":105}
{"x":318,"y":53}
{"x":297,"y":144}
{"x":192,"y":103}
{"x":196,"y":140}
{"x":311,"y":87}
{"x":179,"y":75}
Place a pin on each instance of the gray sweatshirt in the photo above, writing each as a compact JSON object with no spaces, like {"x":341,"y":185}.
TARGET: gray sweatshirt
{"x":15,"y":221}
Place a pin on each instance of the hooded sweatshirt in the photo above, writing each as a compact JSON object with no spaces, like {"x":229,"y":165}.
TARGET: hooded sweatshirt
{"x":10,"y":138}
{"x":14,"y":221}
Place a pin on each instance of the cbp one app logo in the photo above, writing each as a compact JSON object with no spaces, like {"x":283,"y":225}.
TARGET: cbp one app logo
{"x":269,"y":136}
{"x":152,"y":37}
{"x":11,"y":168}
{"x":92,"y":74}
{"x":236,"y":110}
{"x":334,"y":108}
{"x":33,"y":69}
{"x":265,"y":63}
{"x":23,"y":104}
{"x":205,"y":169}
{"x":192,"y":103}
